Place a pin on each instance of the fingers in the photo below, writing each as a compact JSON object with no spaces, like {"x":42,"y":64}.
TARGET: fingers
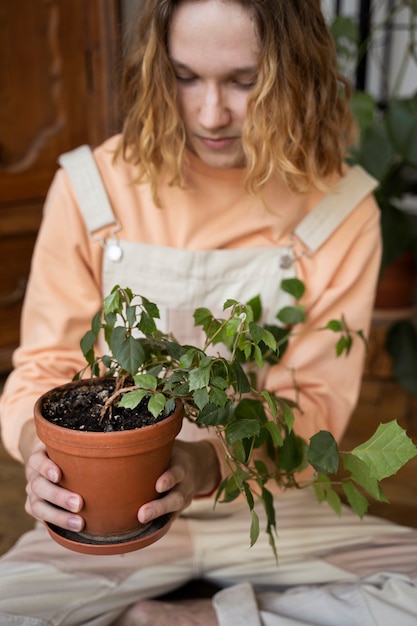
{"x":177,"y":496}
{"x":173,"y":502}
{"x":178,"y":484}
{"x":46,"y":500}
{"x":170,"y":478}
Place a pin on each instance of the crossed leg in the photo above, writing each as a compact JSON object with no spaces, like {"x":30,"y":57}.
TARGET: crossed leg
{"x":182,"y":613}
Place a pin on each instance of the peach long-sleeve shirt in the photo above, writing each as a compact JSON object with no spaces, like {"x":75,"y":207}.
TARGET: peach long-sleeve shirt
{"x":212,"y":213}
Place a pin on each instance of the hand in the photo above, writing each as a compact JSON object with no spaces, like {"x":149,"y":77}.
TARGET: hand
{"x":46,"y":500}
{"x":193,"y":471}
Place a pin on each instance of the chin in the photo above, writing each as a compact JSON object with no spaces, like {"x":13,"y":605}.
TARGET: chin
{"x":222,"y":162}
{"x":217,"y":159}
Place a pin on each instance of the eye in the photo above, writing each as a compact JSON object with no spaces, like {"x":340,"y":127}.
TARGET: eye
{"x":185,"y":78}
{"x":242,"y":84}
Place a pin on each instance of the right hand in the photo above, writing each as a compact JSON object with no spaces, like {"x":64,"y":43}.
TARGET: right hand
{"x":46,"y":501}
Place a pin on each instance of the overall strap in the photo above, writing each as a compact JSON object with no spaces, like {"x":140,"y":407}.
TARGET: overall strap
{"x":334,"y":208}
{"x":88,"y":188}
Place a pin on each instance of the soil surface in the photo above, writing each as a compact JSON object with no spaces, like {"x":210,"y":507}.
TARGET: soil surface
{"x":79,"y":408}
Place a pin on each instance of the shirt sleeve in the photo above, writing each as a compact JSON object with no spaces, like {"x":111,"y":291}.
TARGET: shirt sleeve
{"x":340,"y":280}
{"x":63,"y":294}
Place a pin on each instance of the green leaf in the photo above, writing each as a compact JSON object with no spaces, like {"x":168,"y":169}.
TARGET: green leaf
{"x":233,"y":325}
{"x":334,"y":325}
{"x":254,"y":528}
{"x":259,"y":334}
{"x":357,"y":501}
{"x":131,"y":316}
{"x":268,"y":502}
{"x":343,"y":345}
{"x":218,"y":381}
{"x":181,"y":390}
{"x":146,"y":381}
{"x":256,"y":306}
{"x":169,"y":406}
{"x":242,"y":381}
{"x":108,"y":325}
{"x":229,"y":489}
{"x":213,"y":415}
{"x":217,"y":396}
{"x":242,"y":429}
{"x":205,"y":361}
{"x":325,"y":493}
{"x":107,"y":361}
{"x":270,"y":400}
{"x":260,"y":466}
{"x":386,"y":451}
{"x":229,"y":303}
{"x":174,"y":350}
{"x":146,"y":324}
{"x":294,"y":286}
{"x":292,"y":315}
{"x":201,"y":398}
{"x":127,"y":351}
{"x":131,"y":399}
{"x":360,"y":474}
{"x":187,"y":359}
{"x":96,"y":323}
{"x":287,"y":412}
{"x":199,"y":378}
{"x":323,"y":453}
{"x":151,"y":308}
{"x":156,"y":404}
{"x":112,"y":303}
{"x":249,"y":408}
{"x":202,"y":317}
{"x":291,"y":454}
{"x":239,"y":451}
{"x":275,"y":433}
{"x":87,"y":346}
{"x":248,"y":495}
{"x":257,"y":356}
{"x":280,"y":335}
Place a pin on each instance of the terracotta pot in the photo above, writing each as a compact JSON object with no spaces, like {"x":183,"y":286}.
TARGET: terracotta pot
{"x":114,"y":472}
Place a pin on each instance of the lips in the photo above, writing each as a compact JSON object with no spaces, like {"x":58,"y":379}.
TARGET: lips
{"x":219,"y":143}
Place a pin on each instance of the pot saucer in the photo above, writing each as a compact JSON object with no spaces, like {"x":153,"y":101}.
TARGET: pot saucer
{"x":87,"y":545}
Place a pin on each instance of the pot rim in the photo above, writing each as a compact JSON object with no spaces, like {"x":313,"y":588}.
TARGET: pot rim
{"x":171,"y":425}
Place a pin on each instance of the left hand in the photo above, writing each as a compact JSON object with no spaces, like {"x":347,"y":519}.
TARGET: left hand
{"x":193,"y":471}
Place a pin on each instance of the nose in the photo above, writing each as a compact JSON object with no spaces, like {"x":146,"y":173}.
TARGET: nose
{"x":214,"y":112}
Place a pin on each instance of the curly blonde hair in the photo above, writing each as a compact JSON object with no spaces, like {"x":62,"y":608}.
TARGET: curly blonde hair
{"x":298,"y":125}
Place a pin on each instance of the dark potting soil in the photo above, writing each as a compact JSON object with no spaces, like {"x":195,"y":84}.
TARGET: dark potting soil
{"x":79,"y":408}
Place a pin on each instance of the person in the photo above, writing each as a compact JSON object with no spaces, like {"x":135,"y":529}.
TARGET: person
{"x":229,"y":174}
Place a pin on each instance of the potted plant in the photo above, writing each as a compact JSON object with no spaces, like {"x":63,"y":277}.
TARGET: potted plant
{"x":387,"y":149}
{"x":151,"y":370}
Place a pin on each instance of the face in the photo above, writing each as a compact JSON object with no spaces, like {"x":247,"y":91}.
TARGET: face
{"x":214,"y":49}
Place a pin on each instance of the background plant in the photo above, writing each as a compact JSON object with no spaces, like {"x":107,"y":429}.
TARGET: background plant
{"x":219,"y":391}
{"x":387,"y":149}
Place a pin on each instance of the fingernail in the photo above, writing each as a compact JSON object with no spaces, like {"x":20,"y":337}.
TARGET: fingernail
{"x":53,"y":476}
{"x":75,"y":523}
{"x":73,"y":503}
{"x":147,"y":516}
